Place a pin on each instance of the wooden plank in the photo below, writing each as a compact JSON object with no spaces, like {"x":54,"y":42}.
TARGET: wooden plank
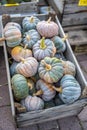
{"x":49,"y":125}
{"x":74,"y":8}
{"x":78,"y":37}
{"x":71,"y":1}
{"x":50,"y":114}
{"x":77,"y":27}
{"x":33,"y":127}
{"x":75,"y":19}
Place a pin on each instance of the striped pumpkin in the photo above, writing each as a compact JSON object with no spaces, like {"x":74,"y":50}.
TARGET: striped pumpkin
{"x":47,"y":28}
{"x":31,"y":37}
{"x":33,"y":103}
{"x":29,"y":23}
{"x":27,"y":67}
{"x":13,"y":36}
{"x":50,"y":69}
{"x":45,"y":90}
{"x":43,"y":48}
{"x":18,"y":52}
{"x":59,"y":44}
{"x":19,"y":86}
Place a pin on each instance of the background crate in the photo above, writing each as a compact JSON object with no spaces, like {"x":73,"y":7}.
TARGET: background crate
{"x":22,"y":8}
{"x":57,"y":112}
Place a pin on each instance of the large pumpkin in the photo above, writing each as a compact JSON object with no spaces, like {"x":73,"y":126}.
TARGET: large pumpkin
{"x":43,"y":48}
{"x":31,"y":37}
{"x":19,"y":86}
{"x":50,"y":69}
{"x":29,"y":23}
{"x":70,"y":89}
{"x":19,"y":51}
{"x":12,"y":36}
{"x":33,"y":103}
{"x":27,"y":67}
{"x":69,"y":67}
{"x":47,"y":28}
{"x":59,"y":44}
{"x":45,"y":90}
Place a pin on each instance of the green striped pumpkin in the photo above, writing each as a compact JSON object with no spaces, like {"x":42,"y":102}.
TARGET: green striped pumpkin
{"x":50,"y":69}
{"x":19,"y":86}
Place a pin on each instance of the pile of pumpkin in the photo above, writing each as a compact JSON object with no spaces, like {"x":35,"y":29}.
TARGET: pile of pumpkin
{"x":39,"y":72}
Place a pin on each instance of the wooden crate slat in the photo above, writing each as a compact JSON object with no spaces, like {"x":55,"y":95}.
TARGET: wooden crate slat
{"x":74,"y":19}
{"x":74,"y":8}
{"x":78,"y":37}
{"x":71,"y":1}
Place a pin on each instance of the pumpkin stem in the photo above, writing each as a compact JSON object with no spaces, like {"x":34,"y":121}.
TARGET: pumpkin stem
{"x":65,"y":37}
{"x":25,"y":47}
{"x":39,"y":92}
{"x":57,"y":89}
{"x":47,"y":66}
{"x":31,"y":19}
{"x":30,"y":86}
{"x":49,"y":20}
{"x":42,"y":43}
{"x":2,"y":39}
{"x":28,"y":37}
{"x":22,"y":59}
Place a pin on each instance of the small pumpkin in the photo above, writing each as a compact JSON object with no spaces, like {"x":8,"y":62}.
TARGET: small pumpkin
{"x":33,"y":103}
{"x":12,"y":36}
{"x":31,"y":37}
{"x":69,"y":67}
{"x":12,"y":24}
{"x":45,"y":90}
{"x":31,"y":86}
{"x":29,"y":23}
{"x":18,"y":52}
{"x":43,"y":48}
{"x":70,"y":89}
{"x":59,"y":43}
{"x":50,"y":69}
{"x":47,"y":28}
{"x":13,"y":68}
{"x":27,"y":67}
{"x":19,"y":86}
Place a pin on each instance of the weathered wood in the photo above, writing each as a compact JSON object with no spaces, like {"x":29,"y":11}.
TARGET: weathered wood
{"x":50,"y":114}
{"x":73,"y":28}
{"x":49,"y":125}
{"x":78,"y":37}
{"x":74,"y":19}
{"x":33,"y":127}
{"x":72,"y":1}
{"x":74,"y":8}
{"x":29,"y":7}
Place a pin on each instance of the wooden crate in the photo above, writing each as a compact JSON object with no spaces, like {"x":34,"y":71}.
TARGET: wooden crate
{"x":57,"y":112}
{"x":22,"y":8}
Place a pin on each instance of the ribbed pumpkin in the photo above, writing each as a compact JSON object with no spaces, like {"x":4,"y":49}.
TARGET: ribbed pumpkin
{"x":45,"y":90}
{"x":43,"y":48}
{"x":19,"y":86}
{"x":12,"y":24}
{"x":18,"y":52}
{"x":69,"y":67}
{"x":70,"y":89}
{"x":59,"y":43}
{"x":27,"y":67}
{"x":31,"y":37}
{"x":31,"y":85}
{"x":47,"y":28}
{"x":13,"y":68}
{"x":29,"y":23}
{"x":12,"y":36}
{"x":33,"y":103}
{"x":50,"y":69}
